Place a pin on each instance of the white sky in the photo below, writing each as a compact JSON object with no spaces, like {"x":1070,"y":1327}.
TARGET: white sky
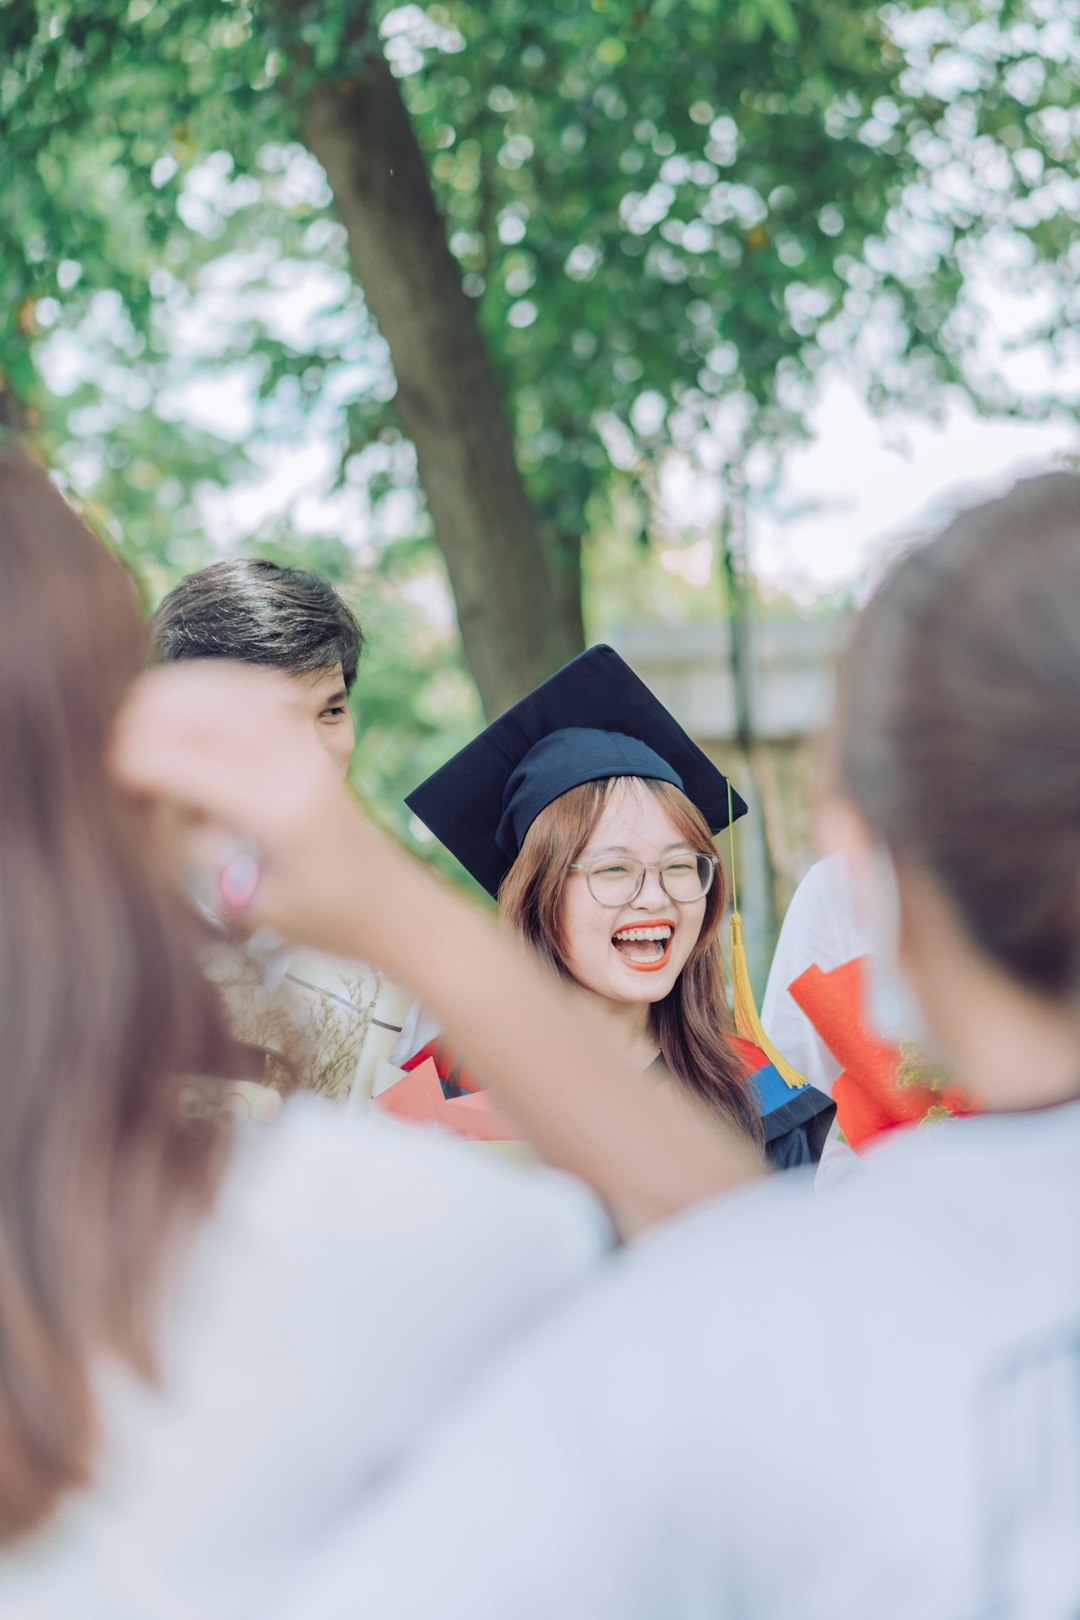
{"x":859,"y":486}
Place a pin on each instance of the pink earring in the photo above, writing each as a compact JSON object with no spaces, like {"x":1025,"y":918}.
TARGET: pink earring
{"x":239,"y":878}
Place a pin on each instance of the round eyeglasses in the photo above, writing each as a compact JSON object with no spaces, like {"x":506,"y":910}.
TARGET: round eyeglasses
{"x":617,"y":879}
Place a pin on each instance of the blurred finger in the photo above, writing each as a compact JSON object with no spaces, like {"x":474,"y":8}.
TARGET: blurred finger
{"x":228,"y":740}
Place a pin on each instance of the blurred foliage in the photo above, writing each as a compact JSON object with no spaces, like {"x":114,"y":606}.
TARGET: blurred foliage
{"x":671,"y":215}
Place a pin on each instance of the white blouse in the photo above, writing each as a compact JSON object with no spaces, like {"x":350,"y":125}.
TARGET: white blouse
{"x":351,"y":1285}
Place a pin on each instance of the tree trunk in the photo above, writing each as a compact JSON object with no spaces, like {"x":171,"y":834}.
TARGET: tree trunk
{"x":563,"y":553}
{"x":735,"y":565}
{"x":15,"y":419}
{"x":513,"y":627}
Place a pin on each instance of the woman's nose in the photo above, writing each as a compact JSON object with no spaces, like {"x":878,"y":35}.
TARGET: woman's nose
{"x":651,"y":894}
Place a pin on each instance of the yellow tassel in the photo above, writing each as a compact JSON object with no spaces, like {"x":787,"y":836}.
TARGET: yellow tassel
{"x":747,"y":1022}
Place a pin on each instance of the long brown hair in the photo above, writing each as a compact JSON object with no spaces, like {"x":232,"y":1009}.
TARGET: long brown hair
{"x":958,"y":725}
{"x":103,"y":1009}
{"x":692,"y":1023}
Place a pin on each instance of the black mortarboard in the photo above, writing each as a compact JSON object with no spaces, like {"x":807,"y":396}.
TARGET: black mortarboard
{"x":591,"y":720}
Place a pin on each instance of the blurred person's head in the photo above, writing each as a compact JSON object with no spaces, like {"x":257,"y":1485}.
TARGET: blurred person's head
{"x":957,"y":754}
{"x":107,"y":1025}
{"x":570,"y":893}
{"x":283,"y":618}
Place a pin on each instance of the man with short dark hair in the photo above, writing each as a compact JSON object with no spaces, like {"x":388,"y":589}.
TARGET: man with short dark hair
{"x":284,"y":618}
{"x":323,"y":1024}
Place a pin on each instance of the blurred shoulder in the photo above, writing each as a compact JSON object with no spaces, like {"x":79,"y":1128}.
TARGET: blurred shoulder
{"x":346,"y":1178}
{"x":941,"y":1216}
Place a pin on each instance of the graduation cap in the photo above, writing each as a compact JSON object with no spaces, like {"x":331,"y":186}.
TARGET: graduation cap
{"x":592,"y":720}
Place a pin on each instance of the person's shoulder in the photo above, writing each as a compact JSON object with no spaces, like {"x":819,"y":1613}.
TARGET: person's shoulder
{"x":936,"y":1211}
{"x":343,"y":1176}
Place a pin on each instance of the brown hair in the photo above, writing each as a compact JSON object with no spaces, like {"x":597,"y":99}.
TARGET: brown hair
{"x":692,"y":1022}
{"x":958,"y":725}
{"x":103,"y":1009}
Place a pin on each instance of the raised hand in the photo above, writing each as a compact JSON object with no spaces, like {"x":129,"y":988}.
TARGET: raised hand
{"x":223,"y":753}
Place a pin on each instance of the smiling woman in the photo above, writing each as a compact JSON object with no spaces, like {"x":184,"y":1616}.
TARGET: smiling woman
{"x":590,"y":813}
{"x":592,"y":890}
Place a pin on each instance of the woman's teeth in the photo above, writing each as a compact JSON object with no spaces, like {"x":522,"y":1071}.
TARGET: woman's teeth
{"x":644,"y":947}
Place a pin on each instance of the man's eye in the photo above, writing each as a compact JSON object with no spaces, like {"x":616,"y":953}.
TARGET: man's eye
{"x":335,"y":713}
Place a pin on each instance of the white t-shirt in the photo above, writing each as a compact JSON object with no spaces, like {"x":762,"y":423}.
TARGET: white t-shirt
{"x":350,"y":1286}
{"x":820,"y":928}
{"x":782,"y":1407}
